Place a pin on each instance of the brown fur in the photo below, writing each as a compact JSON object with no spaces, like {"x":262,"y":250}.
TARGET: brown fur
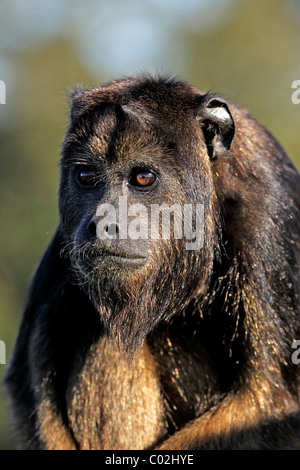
{"x":126,"y":396}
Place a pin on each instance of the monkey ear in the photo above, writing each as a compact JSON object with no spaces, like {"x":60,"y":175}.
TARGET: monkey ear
{"x":218,"y":126}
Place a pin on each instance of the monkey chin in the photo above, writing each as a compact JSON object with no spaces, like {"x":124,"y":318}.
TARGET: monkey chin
{"x":130,"y":293}
{"x":130,"y":307}
{"x":121,"y":291}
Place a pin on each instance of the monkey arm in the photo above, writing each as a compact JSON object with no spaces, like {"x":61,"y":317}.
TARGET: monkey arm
{"x":253,"y":418}
{"x":261,"y":407}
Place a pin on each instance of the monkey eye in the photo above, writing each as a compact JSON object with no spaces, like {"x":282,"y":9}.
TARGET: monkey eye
{"x":86,"y":177}
{"x":142,"y":179}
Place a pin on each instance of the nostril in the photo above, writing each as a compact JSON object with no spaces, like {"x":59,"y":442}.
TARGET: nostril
{"x":112,"y":230}
{"x":92,"y":229}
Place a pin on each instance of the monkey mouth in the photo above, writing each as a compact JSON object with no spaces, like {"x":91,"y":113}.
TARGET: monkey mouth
{"x":104,"y":257}
{"x":121,"y":258}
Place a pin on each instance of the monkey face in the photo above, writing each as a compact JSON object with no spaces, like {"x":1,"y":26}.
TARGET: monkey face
{"x":135,"y":190}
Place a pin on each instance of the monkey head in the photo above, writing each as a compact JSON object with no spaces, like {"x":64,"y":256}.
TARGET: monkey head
{"x":137,"y":198}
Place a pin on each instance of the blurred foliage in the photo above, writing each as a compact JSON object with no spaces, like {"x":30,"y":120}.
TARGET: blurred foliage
{"x":251,"y":56}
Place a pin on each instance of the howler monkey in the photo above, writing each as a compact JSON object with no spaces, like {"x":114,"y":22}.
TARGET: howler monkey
{"x":170,"y":329}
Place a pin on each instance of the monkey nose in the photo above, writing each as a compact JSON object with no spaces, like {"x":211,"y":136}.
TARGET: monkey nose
{"x":112,"y":230}
{"x":109,"y":231}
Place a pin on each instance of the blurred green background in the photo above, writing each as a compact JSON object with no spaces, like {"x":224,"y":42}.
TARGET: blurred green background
{"x":248,"y":50}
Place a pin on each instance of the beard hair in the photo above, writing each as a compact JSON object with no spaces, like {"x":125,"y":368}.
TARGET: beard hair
{"x":131,"y":307}
{"x":132,"y":304}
